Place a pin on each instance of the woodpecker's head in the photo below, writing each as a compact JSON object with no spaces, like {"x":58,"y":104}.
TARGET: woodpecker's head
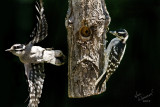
{"x":17,"y":49}
{"x":121,"y":34}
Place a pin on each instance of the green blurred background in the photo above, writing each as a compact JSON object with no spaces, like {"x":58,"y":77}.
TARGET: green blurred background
{"x":138,"y":73}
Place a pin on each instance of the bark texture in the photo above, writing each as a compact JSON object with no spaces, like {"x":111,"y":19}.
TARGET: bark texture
{"x":86,"y":22}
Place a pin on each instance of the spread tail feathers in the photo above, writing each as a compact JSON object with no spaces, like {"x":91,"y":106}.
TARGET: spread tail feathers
{"x":55,"y":57}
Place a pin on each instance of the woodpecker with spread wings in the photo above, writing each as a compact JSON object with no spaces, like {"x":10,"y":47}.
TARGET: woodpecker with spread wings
{"x":34,"y":57}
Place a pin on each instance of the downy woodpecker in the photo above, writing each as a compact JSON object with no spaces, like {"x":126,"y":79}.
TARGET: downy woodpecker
{"x":113,"y":55}
{"x":34,"y":57}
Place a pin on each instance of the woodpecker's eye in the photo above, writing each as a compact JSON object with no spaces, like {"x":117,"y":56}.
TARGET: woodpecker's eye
{"x":122,"y":33}
{"x":17,"y":47}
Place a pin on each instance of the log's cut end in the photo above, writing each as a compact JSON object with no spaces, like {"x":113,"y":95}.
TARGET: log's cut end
{"x":86,"y":23}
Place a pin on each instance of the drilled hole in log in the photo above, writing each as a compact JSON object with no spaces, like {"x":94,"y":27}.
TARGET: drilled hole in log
{"x":85,"y":31}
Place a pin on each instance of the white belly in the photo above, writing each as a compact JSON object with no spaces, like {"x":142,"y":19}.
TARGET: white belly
{"x":35,"y":55}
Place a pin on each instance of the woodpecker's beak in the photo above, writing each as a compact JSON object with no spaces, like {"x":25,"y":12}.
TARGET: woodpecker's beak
{"x":9,"y":50}
{"x":113,"y":33}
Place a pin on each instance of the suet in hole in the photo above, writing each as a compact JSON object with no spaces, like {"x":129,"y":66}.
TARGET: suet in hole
{"x":85,"y":31}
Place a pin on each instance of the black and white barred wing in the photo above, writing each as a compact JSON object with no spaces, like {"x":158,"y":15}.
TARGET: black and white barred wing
{"x":114,"y":56}
{"x":41,"y":30}
{"x":35,"y":75}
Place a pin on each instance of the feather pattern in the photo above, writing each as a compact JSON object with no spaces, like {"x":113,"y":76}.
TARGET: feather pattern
{"x":41,"y":30}
{"x":114,"y":56}
{"x":35,"y":75}
{"x":34,"y":57}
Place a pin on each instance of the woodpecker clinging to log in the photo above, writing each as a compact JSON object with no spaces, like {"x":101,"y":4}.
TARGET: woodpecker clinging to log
{"x":34,"y":57}
{"x":113,"y":55}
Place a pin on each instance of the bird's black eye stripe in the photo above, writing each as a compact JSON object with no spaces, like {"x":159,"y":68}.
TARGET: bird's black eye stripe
{"x":121,"y":34}
{"x":17,"y":47}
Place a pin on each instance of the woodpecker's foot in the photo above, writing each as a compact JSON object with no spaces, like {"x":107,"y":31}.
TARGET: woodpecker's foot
{"x":60,"y":58}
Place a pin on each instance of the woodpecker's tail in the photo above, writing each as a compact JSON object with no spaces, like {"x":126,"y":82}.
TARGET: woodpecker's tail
{"x":55,"y":57}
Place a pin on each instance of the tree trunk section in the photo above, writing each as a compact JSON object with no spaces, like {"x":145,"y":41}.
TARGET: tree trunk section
{"x":86,"y":22}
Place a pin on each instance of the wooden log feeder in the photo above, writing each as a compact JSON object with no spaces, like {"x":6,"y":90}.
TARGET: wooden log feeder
{"x":87,"y":23}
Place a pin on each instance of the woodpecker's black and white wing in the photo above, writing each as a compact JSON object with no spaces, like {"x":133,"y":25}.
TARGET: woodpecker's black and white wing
{"x":41,"y":30}
{"x":35,"y":76}
{"x":114,"y":55}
